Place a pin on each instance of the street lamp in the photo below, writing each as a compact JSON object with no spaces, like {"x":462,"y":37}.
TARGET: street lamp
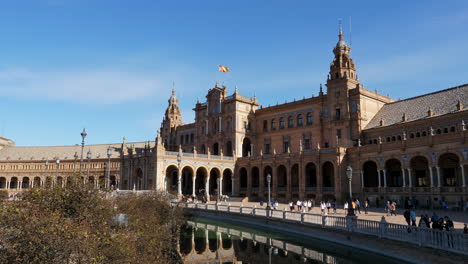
{"x":83,"y":135}
{"x":89,"y":161}
{"x":349,"y":175}
{"x":269,"y":194}
{"x":109,"y":153}
{"x":179,"y":183}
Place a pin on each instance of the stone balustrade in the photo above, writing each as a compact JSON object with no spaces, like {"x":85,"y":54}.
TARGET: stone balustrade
{"x":440,"y":239}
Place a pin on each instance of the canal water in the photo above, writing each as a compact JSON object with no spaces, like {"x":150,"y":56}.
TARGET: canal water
{"x":207,"y":241}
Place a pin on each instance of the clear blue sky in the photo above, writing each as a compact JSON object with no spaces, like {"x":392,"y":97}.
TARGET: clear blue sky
{"x":109,"y":65}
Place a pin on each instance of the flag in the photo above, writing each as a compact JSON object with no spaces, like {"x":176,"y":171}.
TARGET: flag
{"x":222,"y":68}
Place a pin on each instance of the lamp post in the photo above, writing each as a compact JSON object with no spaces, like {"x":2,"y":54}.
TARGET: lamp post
{"x":89,"y":161}
{"x":179,"y":180}
{"x":56,"y":172}
{"x":109,"y":153}
{"x":83,"y":135}
{"x":269,"y":194}
{"x":349,"y":175}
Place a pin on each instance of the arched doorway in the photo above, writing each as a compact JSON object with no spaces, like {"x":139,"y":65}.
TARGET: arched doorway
{"x":37,"y":182}
{"x":449,"y":169}
{"x":282,"y":178}
{"x":328,"y":175}
{"x":91,"y":181}
{"x":2,"y":183}
{"x":187,"y":180}
{"x":214,"y":175}
{"x":48,"y":182}
{"x":393,"y":169}
{"x":255,"y":177}
{"x":139,"y":180}
{"x":295,"y":178}
{"x":419,"y":167}
{"x":267,"y":171}
{"x":227,"y":181}
{"x":200,"y":179}
{"x":311,"y":175}
{"x":246,"y":147}
{"x":371,"y":176}
{"x":172,"y":179}
{"x":229,"y":149}
{"x":200,"y":240}
{"x":25,"y":183}
{"x":14,"y":183}
{"x":113,"y":181}
{"x":243,"y":178}
{"x":215,"y":149}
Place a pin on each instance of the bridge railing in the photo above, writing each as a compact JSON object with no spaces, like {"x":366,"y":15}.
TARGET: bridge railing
{"x":444,"y":240}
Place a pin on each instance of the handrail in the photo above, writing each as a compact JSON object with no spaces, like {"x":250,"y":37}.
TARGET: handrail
{"x":444,"y":240}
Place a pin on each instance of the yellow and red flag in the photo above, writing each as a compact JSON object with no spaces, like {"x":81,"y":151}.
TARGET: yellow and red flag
{"x":222,"y":68}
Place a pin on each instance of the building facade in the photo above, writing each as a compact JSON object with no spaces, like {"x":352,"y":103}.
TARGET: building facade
{"x":413,"y":149}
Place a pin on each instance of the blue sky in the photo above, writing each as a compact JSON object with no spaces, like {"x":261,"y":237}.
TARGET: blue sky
{"x":109,"y":65}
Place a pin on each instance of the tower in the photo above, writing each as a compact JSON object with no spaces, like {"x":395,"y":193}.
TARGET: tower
{"x":172,"y":119}
{"x":342,"y":79}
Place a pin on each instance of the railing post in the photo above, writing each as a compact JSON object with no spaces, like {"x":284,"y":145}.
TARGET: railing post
{"x":382,"y":227}
{"x":324,"y":221}
{"x":240,"y":210}
{"x":284,"y":213}
{"x":302,"y":218}
{"x":253,"y":210}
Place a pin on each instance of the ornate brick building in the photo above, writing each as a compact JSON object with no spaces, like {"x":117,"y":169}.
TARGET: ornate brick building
{"x":409,"y":149}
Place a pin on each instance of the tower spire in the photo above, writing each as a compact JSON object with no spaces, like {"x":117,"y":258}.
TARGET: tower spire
{"x":340,"y":34}
{"x":173,"y":89}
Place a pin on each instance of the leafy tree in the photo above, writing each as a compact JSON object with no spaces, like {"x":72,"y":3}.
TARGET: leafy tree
{"x":76,"y":224}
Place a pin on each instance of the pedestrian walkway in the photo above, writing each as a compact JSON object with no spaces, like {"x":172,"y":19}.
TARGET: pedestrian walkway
{"x":375,"y":214}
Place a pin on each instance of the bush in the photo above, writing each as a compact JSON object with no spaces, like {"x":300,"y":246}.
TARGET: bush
{"x":74,"y":224}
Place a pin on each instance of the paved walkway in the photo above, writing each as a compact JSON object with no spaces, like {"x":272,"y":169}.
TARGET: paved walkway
{"x":375,"y":214}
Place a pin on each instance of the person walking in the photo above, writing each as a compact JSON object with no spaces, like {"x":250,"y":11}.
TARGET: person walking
{"x":309,"y":205}
{"x":328,"y":207}
{"x":334,"y":206}
{"x":465,"y":229}
{"x":345,"y":207}
{"x":393,"y":208}
{"x":358,"y":206}
{"x":366,"y":206}
{"x":407,"y":216}
{"x":291,"y":205}
{"x":387,"y":208}
{"x":299,"y":205}
{"x":322,"y":207}
{"x":413,"y":217}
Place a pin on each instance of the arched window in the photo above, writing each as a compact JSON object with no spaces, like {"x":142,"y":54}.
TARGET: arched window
{"x":418,"y":134}
{"x":290,"y":122}
{"x":265,"y":125}
{"x":281,"y":123}
{"x":452,"y":129}
{"x":309,"y":119}
{"x":411,"y":135}
{"x":424,"y":133}
{"x":445,"y":130}
{"x":299,"y":120}
{"x":273,"y":125}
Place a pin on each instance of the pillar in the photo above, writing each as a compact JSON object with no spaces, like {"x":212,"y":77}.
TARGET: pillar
{"x":404,"y":176}
{"x":438,"y":177}
{"x":20,"y":185}
{"x":193,"y":184}
{"x":379,"y":178}
{"x":232,"y":185}
{"x":179,"y":182}
{"x":207,"y":185}
{"x":431,"y":176}
{"x":410,"y":178}
{"x":463,"y":175}
{"x":220,"y":187}
{"x":32,"y":183}
{"x":7,"y":185}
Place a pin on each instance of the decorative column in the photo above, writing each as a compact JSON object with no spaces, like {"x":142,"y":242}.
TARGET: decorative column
{"x":410,"y":178}
{"x":431,"y":176}
{"x":207,"y":186}
{"x":438,"y":177}
{"x":179,"y":182}
{"x":404,"y":176}
{"x":20,"y":185}
{"x":463,"y":175}
{"x":220,"y":187}
{"x":193,"y":185}
{"x":8,"y":185}
{"x":232,"y":186}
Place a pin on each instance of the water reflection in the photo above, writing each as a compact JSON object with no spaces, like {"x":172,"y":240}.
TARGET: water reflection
{"x":207,"y":243}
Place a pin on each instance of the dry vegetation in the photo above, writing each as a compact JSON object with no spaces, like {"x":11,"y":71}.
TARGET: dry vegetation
{"x":76,"y":224}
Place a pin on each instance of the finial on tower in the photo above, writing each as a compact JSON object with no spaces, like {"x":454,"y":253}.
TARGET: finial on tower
{"x":236,"y":90}
{"x":340,"y":35}
{"x":173,"y":88}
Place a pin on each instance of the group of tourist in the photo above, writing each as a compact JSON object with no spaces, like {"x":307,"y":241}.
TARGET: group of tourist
{"x":303,"y":206}
{"x":390,"y":208}
{"x":439,"y":223}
